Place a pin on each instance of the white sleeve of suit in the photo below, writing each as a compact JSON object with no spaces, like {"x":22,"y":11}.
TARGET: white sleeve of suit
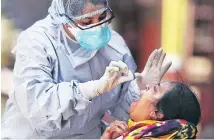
{"x":46,"y":103}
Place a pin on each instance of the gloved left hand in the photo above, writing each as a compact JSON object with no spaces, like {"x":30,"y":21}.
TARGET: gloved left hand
{"x":153,"y":71}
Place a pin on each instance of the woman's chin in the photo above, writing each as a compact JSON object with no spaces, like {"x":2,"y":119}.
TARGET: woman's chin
{"x":135,"y":117}
{"x":132,"y":117}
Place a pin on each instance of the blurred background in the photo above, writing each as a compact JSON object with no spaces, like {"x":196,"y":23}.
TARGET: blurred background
{"x":184,"y":28}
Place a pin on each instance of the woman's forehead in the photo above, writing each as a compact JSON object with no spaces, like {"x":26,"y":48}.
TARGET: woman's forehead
{"x":166,"y":85}
{"x":169,"y":83}
{"x":90,"y":8}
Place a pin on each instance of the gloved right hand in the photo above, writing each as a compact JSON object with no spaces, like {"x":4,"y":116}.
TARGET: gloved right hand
{"x":111,"y":78}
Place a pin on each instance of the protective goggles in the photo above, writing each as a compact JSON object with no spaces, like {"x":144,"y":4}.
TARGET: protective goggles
{"x":108,"y":16}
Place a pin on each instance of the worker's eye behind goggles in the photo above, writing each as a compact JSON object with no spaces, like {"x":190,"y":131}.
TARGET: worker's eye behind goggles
{"x":106,"y":17}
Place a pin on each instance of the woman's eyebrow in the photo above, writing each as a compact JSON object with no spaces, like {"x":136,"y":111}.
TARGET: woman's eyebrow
{"x":89,"y":18}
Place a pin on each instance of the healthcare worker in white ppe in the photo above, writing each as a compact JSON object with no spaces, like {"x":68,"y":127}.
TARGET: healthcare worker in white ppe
{"x":70,"y":69}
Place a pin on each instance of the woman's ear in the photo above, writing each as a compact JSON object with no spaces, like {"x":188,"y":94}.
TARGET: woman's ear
{"x":155,"y":115}
{"x":160,"y":115}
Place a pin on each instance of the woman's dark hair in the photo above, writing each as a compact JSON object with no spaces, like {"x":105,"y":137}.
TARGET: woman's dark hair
{"x":180,"y":103}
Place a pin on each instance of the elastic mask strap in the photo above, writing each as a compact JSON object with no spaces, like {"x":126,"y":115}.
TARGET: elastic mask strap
{"x":68,"y":35}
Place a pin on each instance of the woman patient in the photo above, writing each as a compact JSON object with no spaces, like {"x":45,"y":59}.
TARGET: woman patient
{"x":169,"y":110}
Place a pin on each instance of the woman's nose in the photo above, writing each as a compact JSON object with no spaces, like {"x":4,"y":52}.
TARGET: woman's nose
{"x":147,"y":87}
